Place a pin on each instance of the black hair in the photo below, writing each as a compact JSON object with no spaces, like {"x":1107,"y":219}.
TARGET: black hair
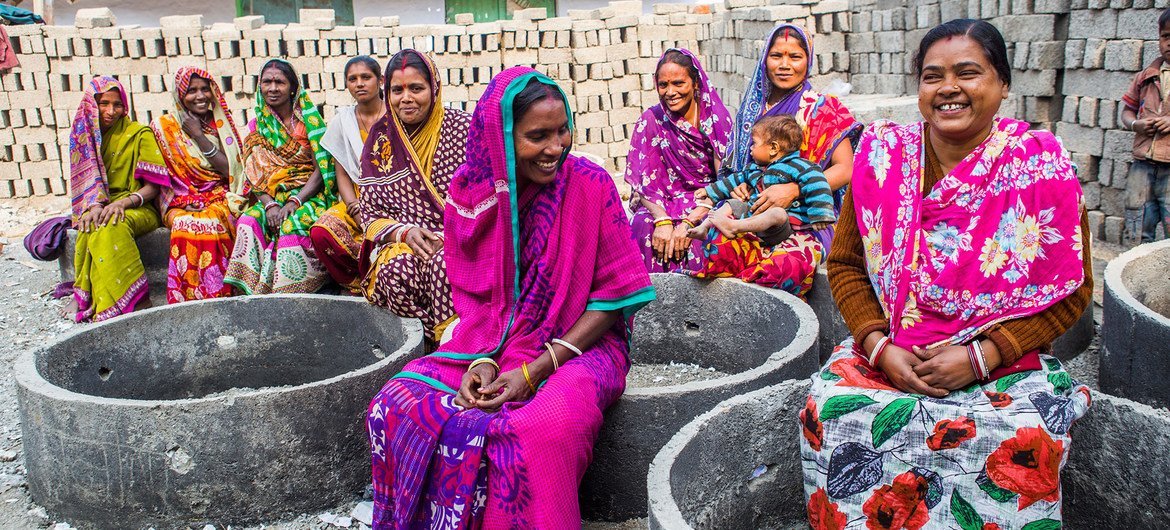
{"x":981,"y":32}
{"x":366,"y":61}
{"x":535,"y":91}
{"x":681,"y":59}
{"x":403,"y":59}
{"x":1163,"y":19}
{"x":285,"y":69}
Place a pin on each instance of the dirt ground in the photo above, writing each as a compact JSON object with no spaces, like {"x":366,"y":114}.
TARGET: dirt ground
{"x":29,"y":318}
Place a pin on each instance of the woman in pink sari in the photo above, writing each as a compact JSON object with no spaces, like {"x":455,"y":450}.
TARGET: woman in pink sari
{"x":496,"y":428}
{"x":675,"y":151}
{"x":960,"y":255}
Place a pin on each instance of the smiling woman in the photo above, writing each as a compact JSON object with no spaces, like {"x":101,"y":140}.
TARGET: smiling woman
{"x":409,"y":158}
{"x":675,"y":150}
{"x":961,"y":254}
{"x":201,"y":146}
{"x":546,"y":280}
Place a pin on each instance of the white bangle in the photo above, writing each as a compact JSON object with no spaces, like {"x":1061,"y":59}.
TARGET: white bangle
{"x":877,"y":349}
{"x":141,"y":199}
{"x":570,"y":347}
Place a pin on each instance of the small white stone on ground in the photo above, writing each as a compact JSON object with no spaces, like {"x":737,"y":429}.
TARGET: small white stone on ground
{"x":340,"y":521}
{"x":363,"y":512}
{"x":7,"y":456}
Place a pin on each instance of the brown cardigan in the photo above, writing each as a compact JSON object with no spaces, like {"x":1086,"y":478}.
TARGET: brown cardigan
{"x":863,"y":313}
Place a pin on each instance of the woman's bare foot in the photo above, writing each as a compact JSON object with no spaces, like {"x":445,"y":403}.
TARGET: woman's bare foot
{"x":69,"y":310}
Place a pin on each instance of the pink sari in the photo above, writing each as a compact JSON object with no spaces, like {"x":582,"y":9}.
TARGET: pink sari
{"x":520,"y":275}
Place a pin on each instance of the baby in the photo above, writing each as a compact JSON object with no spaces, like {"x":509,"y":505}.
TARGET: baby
{"x":775,"y":160}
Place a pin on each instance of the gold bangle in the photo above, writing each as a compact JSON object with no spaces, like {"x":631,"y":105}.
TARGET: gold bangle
{"x":664,"y":222}
{"x":527,"y":378}
{"x":553,"y":355}
{"x":483,"y":360}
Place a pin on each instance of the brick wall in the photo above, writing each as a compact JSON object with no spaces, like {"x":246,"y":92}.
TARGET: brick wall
{"x":603,"y":58}
{"x":1072,"y":60}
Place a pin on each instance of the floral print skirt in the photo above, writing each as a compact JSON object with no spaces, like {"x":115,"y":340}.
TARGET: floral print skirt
{"x":986,"y":457}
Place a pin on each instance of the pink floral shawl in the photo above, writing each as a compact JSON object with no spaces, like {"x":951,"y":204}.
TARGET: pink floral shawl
{"x":998,"y":238}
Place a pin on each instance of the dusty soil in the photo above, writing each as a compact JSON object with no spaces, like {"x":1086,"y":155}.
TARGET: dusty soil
{"x":648,"y":375}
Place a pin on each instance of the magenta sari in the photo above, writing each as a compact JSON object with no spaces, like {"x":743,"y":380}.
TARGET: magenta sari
{"x":669,"y":160}
{"x":520,"y":275}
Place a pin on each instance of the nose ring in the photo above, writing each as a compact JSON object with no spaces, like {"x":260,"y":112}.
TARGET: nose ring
{"x":956,"y":87}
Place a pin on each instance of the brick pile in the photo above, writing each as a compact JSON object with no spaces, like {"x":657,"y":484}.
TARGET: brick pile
{"x":604,"y":59}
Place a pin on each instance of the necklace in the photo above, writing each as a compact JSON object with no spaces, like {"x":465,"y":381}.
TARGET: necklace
{"x":365,"y":125}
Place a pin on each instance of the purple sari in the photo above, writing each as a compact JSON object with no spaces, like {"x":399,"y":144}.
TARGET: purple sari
{"x":523,"y":267}
{"x":669,"y":160}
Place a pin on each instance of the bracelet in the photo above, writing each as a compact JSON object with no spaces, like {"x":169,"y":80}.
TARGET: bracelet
{"x":483,"y":360}
{"x":979,"y":358}
{"x":270,"y":204}
{"x":571,"y":348}
{"x":553,"y":355}
{"x":877,"y":351}
{"x":527,"y":378}
{"x":688,"y":223}
{"x":401,"y":233}
{"x":141,"y":199}
{"x":664,"y":222}
{"x":214,"y":150}
{"x":296,"y":198}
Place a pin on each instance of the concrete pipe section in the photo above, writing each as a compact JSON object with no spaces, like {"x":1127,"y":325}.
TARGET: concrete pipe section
{"x":226,"y":411}
{"x":1135,"y":334}
{"x":1073,"y":343}
{"x":753,"y":336}
{"x":738,"y":466}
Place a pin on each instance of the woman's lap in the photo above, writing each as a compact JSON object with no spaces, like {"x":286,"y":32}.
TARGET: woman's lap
{"x":996,"y":449}
{"x":790,"y":265}
{"x":642,"y":226}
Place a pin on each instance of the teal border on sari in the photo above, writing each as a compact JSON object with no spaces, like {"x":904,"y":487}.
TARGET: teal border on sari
{"x":507,"y":120}
{"x":435,"y":383}
{"x":629,"y":304}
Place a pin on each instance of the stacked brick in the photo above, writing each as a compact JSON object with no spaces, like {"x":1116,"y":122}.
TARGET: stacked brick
{"x":30,"y":161}
{"x":1108,"y":44}
{"x":738,"y":33}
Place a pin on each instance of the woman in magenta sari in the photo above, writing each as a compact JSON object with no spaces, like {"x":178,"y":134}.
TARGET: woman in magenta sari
{"x":675,"y":150}
{"x":496,"y":428}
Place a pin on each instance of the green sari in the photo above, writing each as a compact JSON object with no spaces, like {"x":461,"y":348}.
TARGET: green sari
{"x":109,"y":276}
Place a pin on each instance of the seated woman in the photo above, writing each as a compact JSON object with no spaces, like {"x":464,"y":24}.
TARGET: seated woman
{"x":674,"y":151}
{"x":413,"y":152}
{"x":546,"y":279}
{"x":115,"y":171}
{"x":337,"y":235}
{"x":291,"y":178}
{"x":201,"y":147}
{"x":961,"y":253}
{"x":781,"y":86}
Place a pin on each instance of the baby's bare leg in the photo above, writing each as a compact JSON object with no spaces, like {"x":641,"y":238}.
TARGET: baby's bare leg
{"x":700,"y":231}
{"x":762,"y":221}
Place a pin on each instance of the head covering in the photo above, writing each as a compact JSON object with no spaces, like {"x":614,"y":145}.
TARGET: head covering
{"x":997,"y":239}
{"x":669,"y":158}
{"x":87,"y":173}
{"x":572,"y":239}
{"x":184,"y":158}
{"x":760,"y":88}
{"x":269,"y":127}
{"x":406,"y":152}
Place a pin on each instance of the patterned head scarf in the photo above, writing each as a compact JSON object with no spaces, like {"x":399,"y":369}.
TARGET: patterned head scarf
{"x":185,"y":154}
{"x":425,"y":139}
{"x":669,"y":159}
{"x":269,"y":126}
{"x":760,"y":88}
{"x":87,"y":174}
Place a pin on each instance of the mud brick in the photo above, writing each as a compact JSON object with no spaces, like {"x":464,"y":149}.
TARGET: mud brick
{"x":100,"y":17}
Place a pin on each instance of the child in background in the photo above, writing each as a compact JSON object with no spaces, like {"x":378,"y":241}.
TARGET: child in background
{"x":1148,"y":115}
{"x":775,"y":160}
